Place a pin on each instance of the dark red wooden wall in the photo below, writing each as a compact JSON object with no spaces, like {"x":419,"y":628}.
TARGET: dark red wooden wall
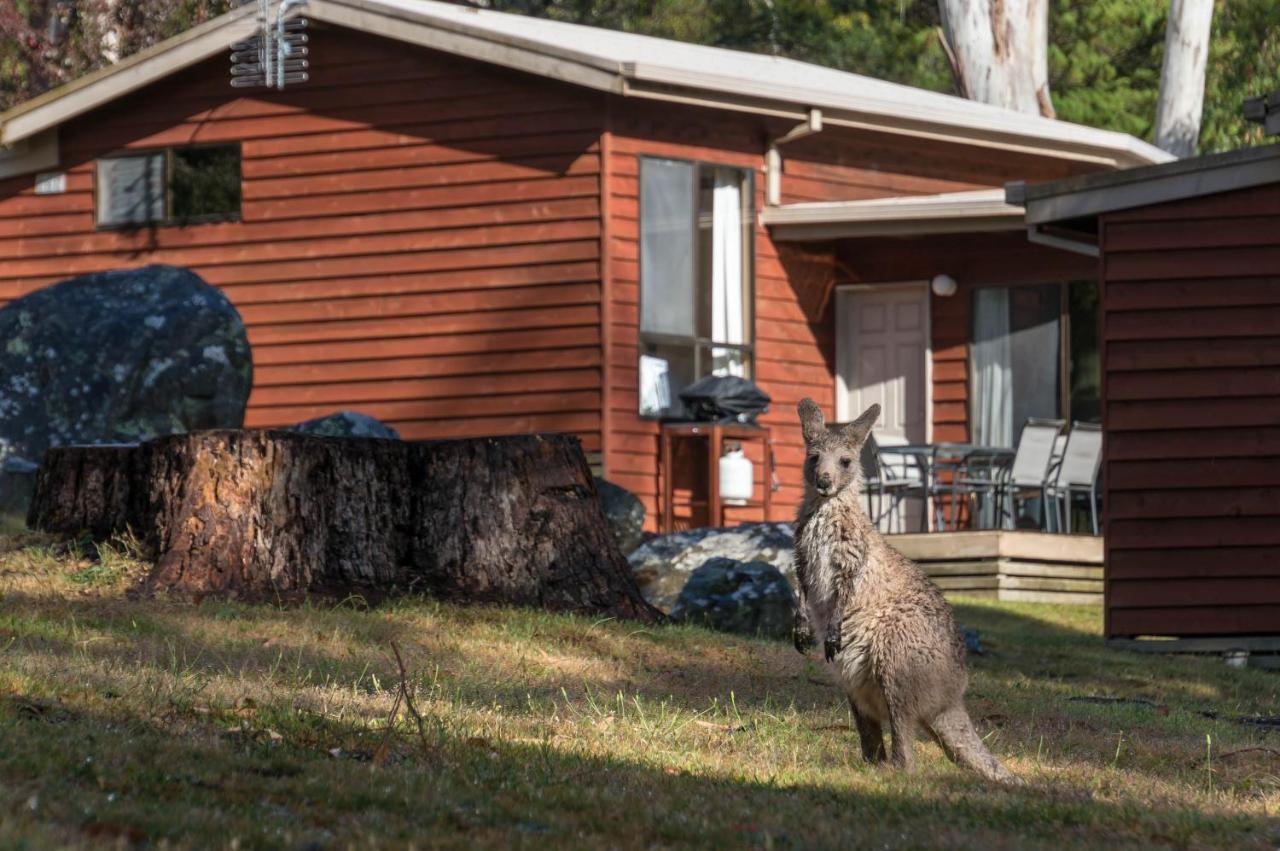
{"x":1191,"y":330}
{"x":453,"y":247}
{"x":420,"y":235}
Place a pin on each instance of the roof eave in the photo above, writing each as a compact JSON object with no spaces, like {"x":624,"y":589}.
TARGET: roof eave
{"x":960,"y":212}
{"x":971,"y":123}
{"x":59,"y":105}
{"x":1093,"y":195}
{"x":979,"y":125}
{"x":823,"y":232}
{"x":472,"y":42}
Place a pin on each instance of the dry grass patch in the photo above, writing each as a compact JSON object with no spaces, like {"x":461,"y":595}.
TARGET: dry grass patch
{"x":147,"y":722}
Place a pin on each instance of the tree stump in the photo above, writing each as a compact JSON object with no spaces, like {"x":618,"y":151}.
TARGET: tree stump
{"x":274,"y":515}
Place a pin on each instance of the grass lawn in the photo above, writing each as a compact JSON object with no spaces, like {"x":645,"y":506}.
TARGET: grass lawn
{"x":133,"y":723}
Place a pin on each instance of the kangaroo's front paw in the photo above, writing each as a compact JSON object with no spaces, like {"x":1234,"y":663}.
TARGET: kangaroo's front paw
{"x":802,"y":637}
{"x":831,"y":642}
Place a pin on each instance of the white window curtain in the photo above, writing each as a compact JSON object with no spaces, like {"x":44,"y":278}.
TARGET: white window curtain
{"x":992,"y":404}
{"x":727,"y":315}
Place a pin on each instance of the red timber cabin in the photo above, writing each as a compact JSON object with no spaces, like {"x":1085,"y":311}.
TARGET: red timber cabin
{"x":471,"y":223}
{"x":1189,"y":257}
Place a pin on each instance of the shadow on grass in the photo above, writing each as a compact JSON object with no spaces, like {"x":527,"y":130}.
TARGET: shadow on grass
{"x":89,"y":773}
{"x":1030,"y":650}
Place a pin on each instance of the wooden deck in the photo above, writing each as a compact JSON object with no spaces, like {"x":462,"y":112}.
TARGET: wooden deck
{"x":1007,"y":565}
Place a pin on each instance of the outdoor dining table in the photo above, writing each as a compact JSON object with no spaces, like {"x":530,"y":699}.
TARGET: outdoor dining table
{"x":935,"y":460}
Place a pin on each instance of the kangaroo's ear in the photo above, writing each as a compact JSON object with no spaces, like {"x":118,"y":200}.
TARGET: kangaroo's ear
{"x":856,"y":432}
{"x":812,"y":422}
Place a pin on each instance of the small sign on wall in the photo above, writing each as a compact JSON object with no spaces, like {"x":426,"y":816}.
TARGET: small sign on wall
{"x":51,"y":183}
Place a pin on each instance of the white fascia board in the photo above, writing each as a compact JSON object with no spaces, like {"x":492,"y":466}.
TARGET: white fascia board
{"x":957,"y":212}
{"x":475,"y":43}
{"x":931,"y":117}
{"x":819,"y":232}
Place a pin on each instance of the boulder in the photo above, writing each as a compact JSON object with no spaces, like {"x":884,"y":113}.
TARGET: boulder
{"x":120,"y":357}
{"x":748,"y":598}
{"x":972,"y":642}
{"x":624,"y":512}
{"x":662,"y":565}
{"x":347,"y":424}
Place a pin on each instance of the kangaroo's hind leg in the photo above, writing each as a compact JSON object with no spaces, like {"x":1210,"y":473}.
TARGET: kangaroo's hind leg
{"x":870,"y":733}
{"x":902,"y":729}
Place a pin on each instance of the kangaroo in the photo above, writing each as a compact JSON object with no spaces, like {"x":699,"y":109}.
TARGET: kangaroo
{"x":885,"y":628}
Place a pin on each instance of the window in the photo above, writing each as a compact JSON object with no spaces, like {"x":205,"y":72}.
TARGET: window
{"x":695,"y":269}
{"x":170,"y":186}
{"x":1034,"y":354}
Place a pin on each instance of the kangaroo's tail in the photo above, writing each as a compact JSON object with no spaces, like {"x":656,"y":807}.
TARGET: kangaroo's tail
{"x":963,"y":745}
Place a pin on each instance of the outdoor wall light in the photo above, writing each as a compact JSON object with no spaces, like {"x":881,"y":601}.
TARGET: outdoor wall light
{"x":943,"y":286}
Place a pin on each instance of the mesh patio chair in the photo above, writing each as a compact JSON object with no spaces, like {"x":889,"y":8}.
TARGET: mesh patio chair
{"x":1055,"y":461}
{"x":1078,"y":473}
{"x":1028,"y":476}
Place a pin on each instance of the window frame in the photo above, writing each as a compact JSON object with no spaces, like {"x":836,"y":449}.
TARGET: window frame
{"x":701,"y":345}
{"x":169,"y":219}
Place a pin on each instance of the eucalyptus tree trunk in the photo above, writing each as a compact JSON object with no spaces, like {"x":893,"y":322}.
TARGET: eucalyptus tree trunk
{"x":277,"y":515}
{"x":1186,"y":54}
{"x":999,"y":51}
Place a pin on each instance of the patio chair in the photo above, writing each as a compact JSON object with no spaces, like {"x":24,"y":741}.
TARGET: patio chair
{"x":1028,"y":476}
{"x":978,"y":480}
{"x":1078,"y":473}
{"x":883,"y":479}
{"x":950,"y":484}
{"x":1055,"y":461}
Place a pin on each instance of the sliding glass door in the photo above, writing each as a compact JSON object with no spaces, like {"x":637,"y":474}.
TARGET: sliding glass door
{"x":1034,"y":354}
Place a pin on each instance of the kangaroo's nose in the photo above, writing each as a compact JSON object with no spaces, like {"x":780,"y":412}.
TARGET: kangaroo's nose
{"x":824,"y":481}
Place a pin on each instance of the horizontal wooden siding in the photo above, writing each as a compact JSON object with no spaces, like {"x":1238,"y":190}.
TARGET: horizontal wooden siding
{"x":419,"y":240}
{"x":1191,"y":321}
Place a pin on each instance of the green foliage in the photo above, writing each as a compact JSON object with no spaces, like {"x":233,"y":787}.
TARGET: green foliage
{"x":1244,"y":61}
{"x":45,"y":43}
{"x":1104,"y":62}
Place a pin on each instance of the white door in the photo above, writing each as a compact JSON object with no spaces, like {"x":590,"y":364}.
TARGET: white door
{"x":881,"y":344}
{"x":882,"y":348}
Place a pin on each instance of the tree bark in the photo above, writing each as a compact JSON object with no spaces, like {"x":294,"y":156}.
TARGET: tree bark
{"x":999,"y":51}
{"x":1186,"y":55}
{"x":274,"y":515}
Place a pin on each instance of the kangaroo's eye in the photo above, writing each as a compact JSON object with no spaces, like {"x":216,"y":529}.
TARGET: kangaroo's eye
{"x":845,"y":462}
{"x":813,"y":459}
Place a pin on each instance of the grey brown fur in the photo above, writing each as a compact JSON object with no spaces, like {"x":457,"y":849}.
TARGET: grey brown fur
{"x":885,"y":628}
